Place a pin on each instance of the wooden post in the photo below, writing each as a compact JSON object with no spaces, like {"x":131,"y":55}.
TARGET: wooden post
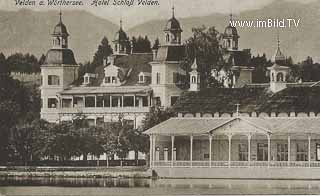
{"x":191,"y":150}
{"x":210,"y":150}
{"x":289,"y":150}
{"x":150,"y":152}
{"x":269,"y":150}
{"x":172,"y":147}
{"x":309,"y":150}
{"x":249,"y":149}
{"x":229,"y":160}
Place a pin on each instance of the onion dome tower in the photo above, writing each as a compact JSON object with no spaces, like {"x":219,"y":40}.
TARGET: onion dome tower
{"x":230,"y":37}
{"x":121,"y":42}
{"x":173,"y":31}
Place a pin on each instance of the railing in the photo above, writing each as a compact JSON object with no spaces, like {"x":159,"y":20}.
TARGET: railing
{"x":237,"y":164}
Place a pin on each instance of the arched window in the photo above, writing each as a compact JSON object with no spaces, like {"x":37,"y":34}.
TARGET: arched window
{"x":272,"y":77}
{"x":58,"y":41}
{"x":229,"y":43}
{"x":280,"y":77}
{"x":193,"y":79}
{"x":167,"y":37}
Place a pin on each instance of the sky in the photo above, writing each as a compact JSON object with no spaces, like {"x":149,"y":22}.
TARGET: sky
{"x":139,"y":14}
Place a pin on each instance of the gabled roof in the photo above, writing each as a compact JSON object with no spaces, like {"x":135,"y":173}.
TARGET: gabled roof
{"x":225,"y":126}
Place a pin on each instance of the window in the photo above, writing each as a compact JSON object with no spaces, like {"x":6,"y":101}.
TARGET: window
{"x":107,"y":80}
{"x":66,"y":103}
{"x":99,"y":101}
{"x":53,"y":80}
{"x":282,"y":152}
{"x":157,"y":101}
{"x":128,"y":101}
{"x":52,"y":103}
{"x":141,"y":79}
{"x":302,"y":152}
{"x":167,"y":37}
{"x":90,"y":102}
{"x":77,"y":102}
{"x":86,"y":80}
{"x":174,"y":100}
{"x":158,"y":78}
{"x":243,"y":152}
{"x":114,"y":80}
{"x":280,"y":77}
{"x":106,"y":100}
{"x":175,"y":78}
{"x":116,"y":101}
{"x":193,"y":80}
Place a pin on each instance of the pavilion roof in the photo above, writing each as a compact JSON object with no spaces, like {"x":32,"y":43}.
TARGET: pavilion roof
{"x":264,"y":125}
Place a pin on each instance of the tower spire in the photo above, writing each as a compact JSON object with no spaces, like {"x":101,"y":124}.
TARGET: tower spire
{"x":60,"y":16}
{"x":173,"y":11}
{"x":121,"y":23}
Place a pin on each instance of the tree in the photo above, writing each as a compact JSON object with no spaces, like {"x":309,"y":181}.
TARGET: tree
{"x":4,"y":68}
{"x":204,"y":45}
{"x":42,"y":59}
{"x":27,"y":63}
{"x":104,"y":50}
{"x":260,"y":64}
{"x":141,"y":45}
{"x":156,"y":44}
{"x":14,"y":104}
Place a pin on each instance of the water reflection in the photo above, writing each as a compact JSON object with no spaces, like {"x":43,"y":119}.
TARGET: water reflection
{"x":123,"y":186}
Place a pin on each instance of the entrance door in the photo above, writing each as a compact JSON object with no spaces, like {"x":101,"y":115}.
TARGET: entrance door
{"x":262,"y":152}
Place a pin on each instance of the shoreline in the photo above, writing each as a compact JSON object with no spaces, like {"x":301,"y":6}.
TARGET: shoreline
{"x":77,"y":172}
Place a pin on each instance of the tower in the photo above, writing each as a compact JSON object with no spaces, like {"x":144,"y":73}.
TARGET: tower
{"x":167,"y":74}
{"x":121,"y":43}
{"x":194,"y":77}
{"x":60,"y":35}
{"x":278,"y":72}
{"x":58,"y":72}
{"x":173,"y":31}
{"x":230,"y":37}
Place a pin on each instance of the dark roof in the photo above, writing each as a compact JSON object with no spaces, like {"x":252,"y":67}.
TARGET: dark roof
{"x":121,"y":36}
{"x":171,"y":53}
{"x":60,"y":29}
{"x":173,"y":25}
{"x":231,"y":31}
{"x":222,"y":100}
{"x":130,"y":67}
{"x":60,"y":56}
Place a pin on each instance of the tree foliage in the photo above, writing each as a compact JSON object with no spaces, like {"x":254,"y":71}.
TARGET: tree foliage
{"x":141,"y":44}
{"x":204,"y":45}
{"x":104,"y":50}
{"x":26,"y":63}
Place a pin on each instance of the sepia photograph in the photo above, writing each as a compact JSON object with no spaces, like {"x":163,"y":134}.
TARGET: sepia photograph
{"x":159,"y":97}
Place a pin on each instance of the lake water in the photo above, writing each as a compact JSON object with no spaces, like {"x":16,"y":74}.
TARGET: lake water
{"x":119,"y":186}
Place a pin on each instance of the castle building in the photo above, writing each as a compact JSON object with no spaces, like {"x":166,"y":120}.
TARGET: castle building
{"x":126,"y":84}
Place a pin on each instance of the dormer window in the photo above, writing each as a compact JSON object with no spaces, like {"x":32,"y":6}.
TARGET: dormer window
{"x":144,"y":77}
{"x":87,"y":78}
